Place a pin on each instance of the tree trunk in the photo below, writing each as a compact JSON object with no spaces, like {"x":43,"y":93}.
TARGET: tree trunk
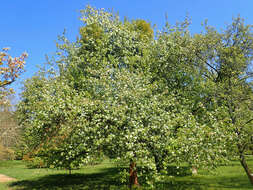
{"x":246,"y":168}
{"x":194,"y":170}
{"x":158,"y":163}
{"x":133,"y":179}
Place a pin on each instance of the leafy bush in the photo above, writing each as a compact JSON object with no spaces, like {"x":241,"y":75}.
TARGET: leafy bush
{"x":34,"y":162}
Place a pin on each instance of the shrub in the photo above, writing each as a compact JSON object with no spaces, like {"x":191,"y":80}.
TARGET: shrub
{"x":33,"y":162}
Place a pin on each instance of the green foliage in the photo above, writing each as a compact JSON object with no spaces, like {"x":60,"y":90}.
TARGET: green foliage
{"x":35,"y":162}
{"x":52,"y":127}
{"x":142,"y":28}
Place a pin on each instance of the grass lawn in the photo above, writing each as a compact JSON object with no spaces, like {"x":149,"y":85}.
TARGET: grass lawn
{"x":105,"y":176}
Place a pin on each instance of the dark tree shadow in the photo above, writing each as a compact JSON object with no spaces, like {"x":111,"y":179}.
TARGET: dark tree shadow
{"x":202,"y":183}
{"x":106,"y":179}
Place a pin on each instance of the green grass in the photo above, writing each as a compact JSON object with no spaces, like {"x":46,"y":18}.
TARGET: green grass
{"x":105,"y":176}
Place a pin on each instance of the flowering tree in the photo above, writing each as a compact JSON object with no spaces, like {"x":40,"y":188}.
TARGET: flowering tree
{"x":10,"y":69}
{"x":139,"y":99}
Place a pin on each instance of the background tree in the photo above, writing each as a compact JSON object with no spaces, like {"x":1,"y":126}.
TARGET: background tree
{"x":10,"y":69}
{"x":9,"y":131}
{"x":225,"y":60}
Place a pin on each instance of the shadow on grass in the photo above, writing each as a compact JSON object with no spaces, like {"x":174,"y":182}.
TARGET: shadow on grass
{"x":109,"y":179}
{"x":106,"y":179}
{"x":203,"y":183}
{"x":236,"y":182}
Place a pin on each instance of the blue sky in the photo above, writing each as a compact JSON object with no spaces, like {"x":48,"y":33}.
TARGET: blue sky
{"x":33,"y":26}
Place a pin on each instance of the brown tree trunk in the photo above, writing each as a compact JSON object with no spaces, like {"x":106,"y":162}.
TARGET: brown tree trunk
{"x":246,"y":168}
{"x":133,"y":179}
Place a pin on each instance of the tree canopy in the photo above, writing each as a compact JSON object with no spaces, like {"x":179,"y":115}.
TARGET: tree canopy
{"x":141,"y":97}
